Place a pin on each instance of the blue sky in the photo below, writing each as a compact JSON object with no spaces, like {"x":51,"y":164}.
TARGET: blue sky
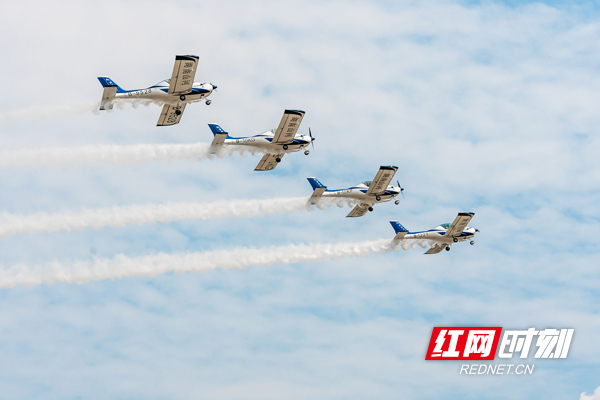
{"x":485,"y":106}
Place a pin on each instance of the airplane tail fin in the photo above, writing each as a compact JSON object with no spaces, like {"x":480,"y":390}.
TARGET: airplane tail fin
{"x":105,"y":81}
{"x":400,"y":231}
{"x":398,"y":227}
{"x":318,"y":188}
{"x":110,"y":89}
{"x":216,"y":129}
{"x":220,"y":136}
{"x":314,"y":182}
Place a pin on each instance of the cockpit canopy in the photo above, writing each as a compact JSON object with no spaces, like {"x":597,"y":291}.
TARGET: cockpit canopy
{"x":367,"y":183}
{"x":167,"y":81}
{"x":445,"y":226}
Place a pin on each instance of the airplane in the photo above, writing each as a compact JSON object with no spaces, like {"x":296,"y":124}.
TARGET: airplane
{"x":367,"y":193}
{"x":175,"y":92}
{"x":443,"y":235}
{"x":275,"y":143}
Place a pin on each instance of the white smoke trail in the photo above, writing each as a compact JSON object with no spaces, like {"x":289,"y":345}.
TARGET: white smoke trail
{"x":114,"y":154}
{"x":238,"y":258}
{"x":71,"y":108}
{"x":49,"y":111}
{"x":104,"y":154}
{"x":11,"y":224}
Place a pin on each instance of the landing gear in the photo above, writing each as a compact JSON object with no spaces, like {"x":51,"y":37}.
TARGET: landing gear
{"x":448,"y":248}
{"x":278,"y":159}
{"x":177,"y":112}
{"x":370,"y":208}
{"x":397,"y":202}
{"x":378,"y":198}
{"x":208,"y":102}
{"x":182,"y":97}
{"x":455,"y":240}
{"x":472,"y":243}
{"x":285,"y":146}
{"x":306,"y":152}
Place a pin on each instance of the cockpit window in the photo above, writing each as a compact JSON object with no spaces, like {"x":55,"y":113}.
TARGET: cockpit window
{"x":167,"y":81}
{"x":445,"y":226}
{"x":367,"y":183}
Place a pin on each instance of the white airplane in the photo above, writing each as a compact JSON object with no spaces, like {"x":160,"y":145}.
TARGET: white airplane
{"x":275,"y":143}
{"x":367,"y":193}
{"x":175,"y":92}
{"x":443,"y":236}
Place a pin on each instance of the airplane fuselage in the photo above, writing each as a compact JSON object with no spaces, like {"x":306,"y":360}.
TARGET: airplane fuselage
{"x":360,"y":193}
{"x":264,"y":141}
{"x":437,"y":234}
{"x":160,"y":92}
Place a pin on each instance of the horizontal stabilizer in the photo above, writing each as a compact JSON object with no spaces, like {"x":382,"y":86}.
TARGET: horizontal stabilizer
{"x":399,"y":236}
{"x":108,"y":96}
{"x":219,"y":139}
{"x":220,"y":135}
{"x":317,"y":195}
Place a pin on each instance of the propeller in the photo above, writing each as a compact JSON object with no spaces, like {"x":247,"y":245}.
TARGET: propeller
{"x":214,"y":87}
{"x":312,"y":138}
{"x":401,"y":189}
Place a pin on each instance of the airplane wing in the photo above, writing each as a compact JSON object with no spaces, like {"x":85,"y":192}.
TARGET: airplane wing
{"x":359,"y":210}
{"x":170,"y":114}
{"x":268,"y":162}
{"x":290,"y":122}
{"x":382,"y":180}
{"x":183,"y":75}
{"x":459,"y":224}
{"x":436,"y":248}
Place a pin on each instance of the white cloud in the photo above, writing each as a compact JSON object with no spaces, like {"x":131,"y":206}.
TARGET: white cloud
{"x":484,"y":108}
{"x":595,"y":396}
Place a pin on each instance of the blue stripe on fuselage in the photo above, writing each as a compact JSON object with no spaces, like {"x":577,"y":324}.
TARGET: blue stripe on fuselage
{"x":440,"y":232}
{"x":431,"y":230}
{"x":335,"y":190}
{"x":166,"y":90}
{"x":269,"y":139}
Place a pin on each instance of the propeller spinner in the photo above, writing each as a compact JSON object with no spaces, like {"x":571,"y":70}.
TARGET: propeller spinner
{"x":401,"y":189}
